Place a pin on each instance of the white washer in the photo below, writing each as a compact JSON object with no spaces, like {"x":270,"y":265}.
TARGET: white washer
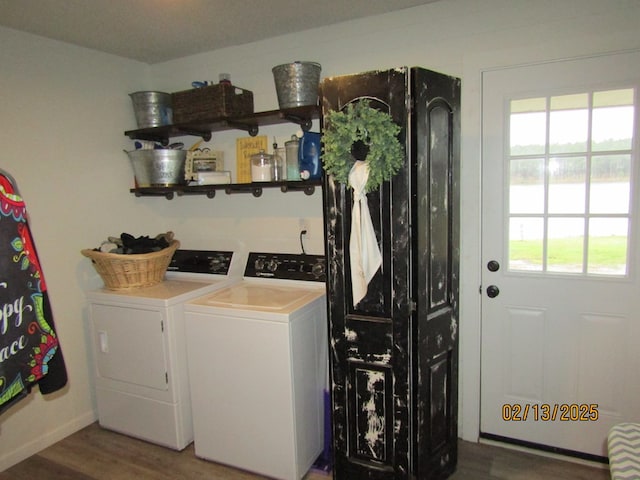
{"x":142,"y":384}
{"x":257,"y":359}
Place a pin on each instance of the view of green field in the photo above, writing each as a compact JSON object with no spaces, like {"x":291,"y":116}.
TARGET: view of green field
{"x":604,"y":252}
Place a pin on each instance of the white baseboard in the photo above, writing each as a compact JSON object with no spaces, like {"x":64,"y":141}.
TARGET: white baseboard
{"x":25,"y":451}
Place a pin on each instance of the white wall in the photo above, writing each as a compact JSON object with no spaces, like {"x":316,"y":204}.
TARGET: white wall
{"x":63,"y":110}
{"x":61,"y":114}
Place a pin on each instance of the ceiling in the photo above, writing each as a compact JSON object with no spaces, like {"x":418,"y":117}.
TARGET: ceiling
{"x":153,"y":31}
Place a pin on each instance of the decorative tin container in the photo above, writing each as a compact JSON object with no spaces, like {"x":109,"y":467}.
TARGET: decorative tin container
{"x":158,"y":168}
{"x":152,"y":109}
{"x":297,"y":84}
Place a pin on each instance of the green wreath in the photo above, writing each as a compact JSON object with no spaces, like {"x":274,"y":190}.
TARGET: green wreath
{"x":360,"y":132}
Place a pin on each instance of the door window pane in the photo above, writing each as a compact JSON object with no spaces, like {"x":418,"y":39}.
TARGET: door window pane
{"x":612,"y":120}
{"x":567,"y":185}
{"x":567,"y":175}
{"x":526,"y":188}
{"x":565,"y":245}
{"x":528,"y":126}
{"x":608,"y":246}
{"x":526,"y":236}
{"x":610,"y":184}
{"x":569,"y":123}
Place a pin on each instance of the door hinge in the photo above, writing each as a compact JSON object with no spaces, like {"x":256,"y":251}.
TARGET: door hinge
{"x":162,"y":325}
{"x":166,"y":377}
{"x":413,"y":306}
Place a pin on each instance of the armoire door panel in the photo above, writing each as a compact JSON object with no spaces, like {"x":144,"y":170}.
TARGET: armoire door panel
{"x":373,"y":335}
{"x":439,"y":413}
{"x":437,"y":459}
{"x":370,"y":413}
{"x":377,"y":301}
{"x":436,"y":282}
{"x":394,"y":355}
{"x":436,"y":391}
{"x":369,"y":339}
{"x":438,"y":334}
{"x":437,"y":201}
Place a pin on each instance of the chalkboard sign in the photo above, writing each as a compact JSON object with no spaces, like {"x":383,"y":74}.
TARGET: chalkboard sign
{"x":28,"y":342}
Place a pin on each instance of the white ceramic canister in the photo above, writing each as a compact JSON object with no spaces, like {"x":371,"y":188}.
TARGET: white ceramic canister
{"x":261,"y":167}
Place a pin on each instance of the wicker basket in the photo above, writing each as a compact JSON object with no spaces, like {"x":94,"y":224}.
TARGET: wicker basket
{"x":124,"y":272}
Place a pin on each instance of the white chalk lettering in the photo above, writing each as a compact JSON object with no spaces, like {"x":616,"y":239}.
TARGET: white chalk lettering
{"x":12,"y":349}
{"x":9,"y":310}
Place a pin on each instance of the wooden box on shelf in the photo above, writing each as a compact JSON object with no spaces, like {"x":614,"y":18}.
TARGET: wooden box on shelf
{"x":210,"y":102}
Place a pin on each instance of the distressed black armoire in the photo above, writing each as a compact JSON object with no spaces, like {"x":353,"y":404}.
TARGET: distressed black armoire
{"x":394,"y":356}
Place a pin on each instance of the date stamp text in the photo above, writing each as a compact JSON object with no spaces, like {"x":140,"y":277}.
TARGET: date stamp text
{"x":545,"y":412}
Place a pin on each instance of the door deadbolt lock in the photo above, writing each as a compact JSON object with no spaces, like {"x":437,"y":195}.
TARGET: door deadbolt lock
{"x":493,"y":266}
{"x":493,"y":291}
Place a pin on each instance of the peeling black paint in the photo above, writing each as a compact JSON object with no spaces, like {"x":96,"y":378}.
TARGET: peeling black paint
{"x":394,"y":355}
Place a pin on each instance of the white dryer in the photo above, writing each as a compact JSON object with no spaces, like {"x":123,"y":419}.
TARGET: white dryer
{"x":141,"y":379}
{"x":257,"y":359}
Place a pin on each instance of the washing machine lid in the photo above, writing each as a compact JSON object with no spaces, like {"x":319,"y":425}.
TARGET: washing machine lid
{"x":247,"y":295}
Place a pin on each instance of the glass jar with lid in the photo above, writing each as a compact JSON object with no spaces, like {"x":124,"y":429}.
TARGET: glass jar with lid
{"x":261,"y":167}
{"x":279,"y":165}
{"x":291,"y":149}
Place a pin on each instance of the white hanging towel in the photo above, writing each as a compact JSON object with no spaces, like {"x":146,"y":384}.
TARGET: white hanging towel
{"x":363,"y":245}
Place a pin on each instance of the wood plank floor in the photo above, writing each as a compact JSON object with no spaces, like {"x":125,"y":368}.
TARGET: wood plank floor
{"x":97,"y":454}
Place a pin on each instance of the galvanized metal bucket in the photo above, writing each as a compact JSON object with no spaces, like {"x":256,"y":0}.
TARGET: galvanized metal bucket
{"x":152,"y":109}
{"x":158,"y":168}
{"x":297,"y":83}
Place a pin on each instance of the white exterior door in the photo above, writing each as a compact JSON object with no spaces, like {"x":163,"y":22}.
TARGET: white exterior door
{"x":560,"y":246}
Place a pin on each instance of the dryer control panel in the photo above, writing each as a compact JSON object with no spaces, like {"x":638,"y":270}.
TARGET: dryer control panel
{"x":201,"y":261}
{"x":286,"y":266}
